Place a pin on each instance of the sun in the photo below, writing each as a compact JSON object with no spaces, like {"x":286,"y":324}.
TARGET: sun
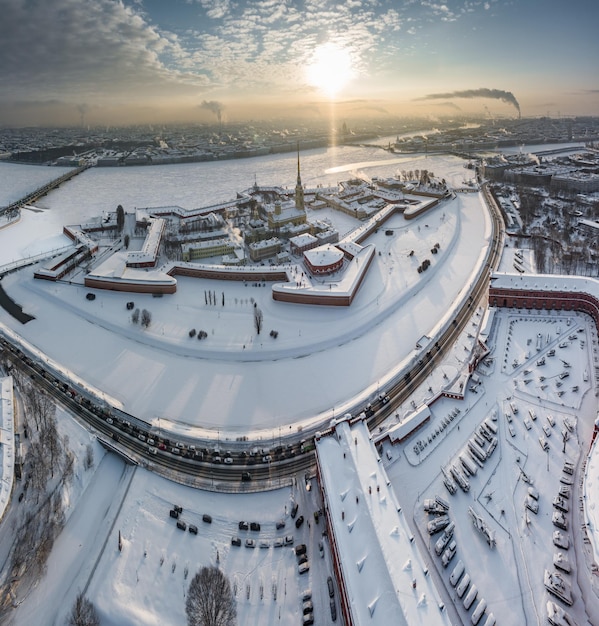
{"x":331,"y":69}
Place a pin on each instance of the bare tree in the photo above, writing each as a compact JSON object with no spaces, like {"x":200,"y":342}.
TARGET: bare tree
{"x":83,"y":613}
{"x":258,"y":318}
{"x":88,"y":461}
{"x":146,"y":318}
{"x":135,"y":316}
{"x":210,"y":601}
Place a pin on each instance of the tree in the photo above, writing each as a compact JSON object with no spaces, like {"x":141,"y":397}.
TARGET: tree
{"x":126,"y":241}
{"x":120,"y":218}
{"x":135,"y":316}
{"x":210,"y":601}
{"x":83,"y":613}
{"x":257,"y":318}
{"x":146,"y":318}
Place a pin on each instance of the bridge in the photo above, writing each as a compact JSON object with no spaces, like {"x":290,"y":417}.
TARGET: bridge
{"x":42,"y":191}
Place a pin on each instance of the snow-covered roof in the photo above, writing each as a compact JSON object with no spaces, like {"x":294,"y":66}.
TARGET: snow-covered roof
{"x":385,"y":577}
{"x":546,"y":282}
{"x":324,"y":255}
{"x":7,"y":449}
{"x":149,"y":250}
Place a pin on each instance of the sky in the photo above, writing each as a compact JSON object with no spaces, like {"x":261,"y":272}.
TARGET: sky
{"x":137,"y":61}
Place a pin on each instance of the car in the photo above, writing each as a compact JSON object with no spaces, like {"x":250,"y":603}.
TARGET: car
{"x":288,"y":540}
{"x":457,"y":572}
{"x":193,"y":529}
{"x":333,"y":608}
{"x":308,"y":619}
{"x":543,"y":443}
{"x":207,"y":518}
{"x":246,"y":477}
{"x":228,"y":460}
{"x":559,"y":519}
{"x":279,"y":542}
{"x":437,"y":523}
{"x":302,"y":559}
{"x":561,"y":540}
{"x":449,"y":553}
{"x":547,"y":430}
{"x":294,"y":510}
{"x":181,"y":525}
{"x":531,"y":504}
{"x":463,"y":585}
{"x":307,"y":607}
{"x":250,"y":543}
{"x":307,"y":595}
{"x":244,"y":526}
{"x":264,"y":543}
{"x":280,"y":524}
{"x":266,"y":458}
{"x":255,"y":526}
{"x":330,"y":586}
{"x":152,"y":450}
{"x":303,"y":567}
{"x":235,"y":541}
{"x":299,"y":521}
{"x":174,"y":513}
{"x":300,"y":549}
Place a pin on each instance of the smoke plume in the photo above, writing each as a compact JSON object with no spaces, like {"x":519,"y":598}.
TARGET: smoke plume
{"x":495,"y":94}
{"x":214,"y":107}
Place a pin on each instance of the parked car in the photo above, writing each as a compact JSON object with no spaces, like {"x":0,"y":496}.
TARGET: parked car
{"x":304,"y":567}
{"x":300,"y":549}
{"x":250,"y":543}
{"x":330,"y":586}
{"x":235,"y":541}
{"x":244,"y":526}
{"x":255,"y":526}
{"x":294,"y":509}
{"x":299,"y":521}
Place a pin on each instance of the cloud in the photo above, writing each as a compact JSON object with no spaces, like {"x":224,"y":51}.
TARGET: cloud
{"x":496,"y":94}
{"x":90,"y":49}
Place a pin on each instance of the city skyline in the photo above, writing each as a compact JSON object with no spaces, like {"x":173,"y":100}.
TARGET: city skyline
{"x":74,"y":62}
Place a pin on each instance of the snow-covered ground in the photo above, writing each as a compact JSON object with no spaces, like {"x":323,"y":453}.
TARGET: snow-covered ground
{"x":236,"y":382}
{"x":146,"y":582}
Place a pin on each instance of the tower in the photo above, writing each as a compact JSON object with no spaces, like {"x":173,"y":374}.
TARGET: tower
{"x":299,"y":190}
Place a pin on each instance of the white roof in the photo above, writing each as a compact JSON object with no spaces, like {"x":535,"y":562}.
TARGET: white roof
{"x":379,"y":563}
{"x":324,"y":255}
{"x":546,"y":282}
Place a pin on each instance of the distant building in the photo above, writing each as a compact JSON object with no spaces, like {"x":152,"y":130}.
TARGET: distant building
{"x":264,"y":249}
{"x":298,"y":245}
{"x":205,"y":249}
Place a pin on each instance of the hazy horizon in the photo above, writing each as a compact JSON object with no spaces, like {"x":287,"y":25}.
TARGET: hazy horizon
{"x":113,"y":62}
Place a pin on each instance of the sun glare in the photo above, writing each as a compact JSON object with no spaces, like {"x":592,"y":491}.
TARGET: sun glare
{"x":330,"y":70}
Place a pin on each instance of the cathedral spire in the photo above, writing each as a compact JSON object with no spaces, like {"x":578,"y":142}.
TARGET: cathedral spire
{"x":299,"y":190}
